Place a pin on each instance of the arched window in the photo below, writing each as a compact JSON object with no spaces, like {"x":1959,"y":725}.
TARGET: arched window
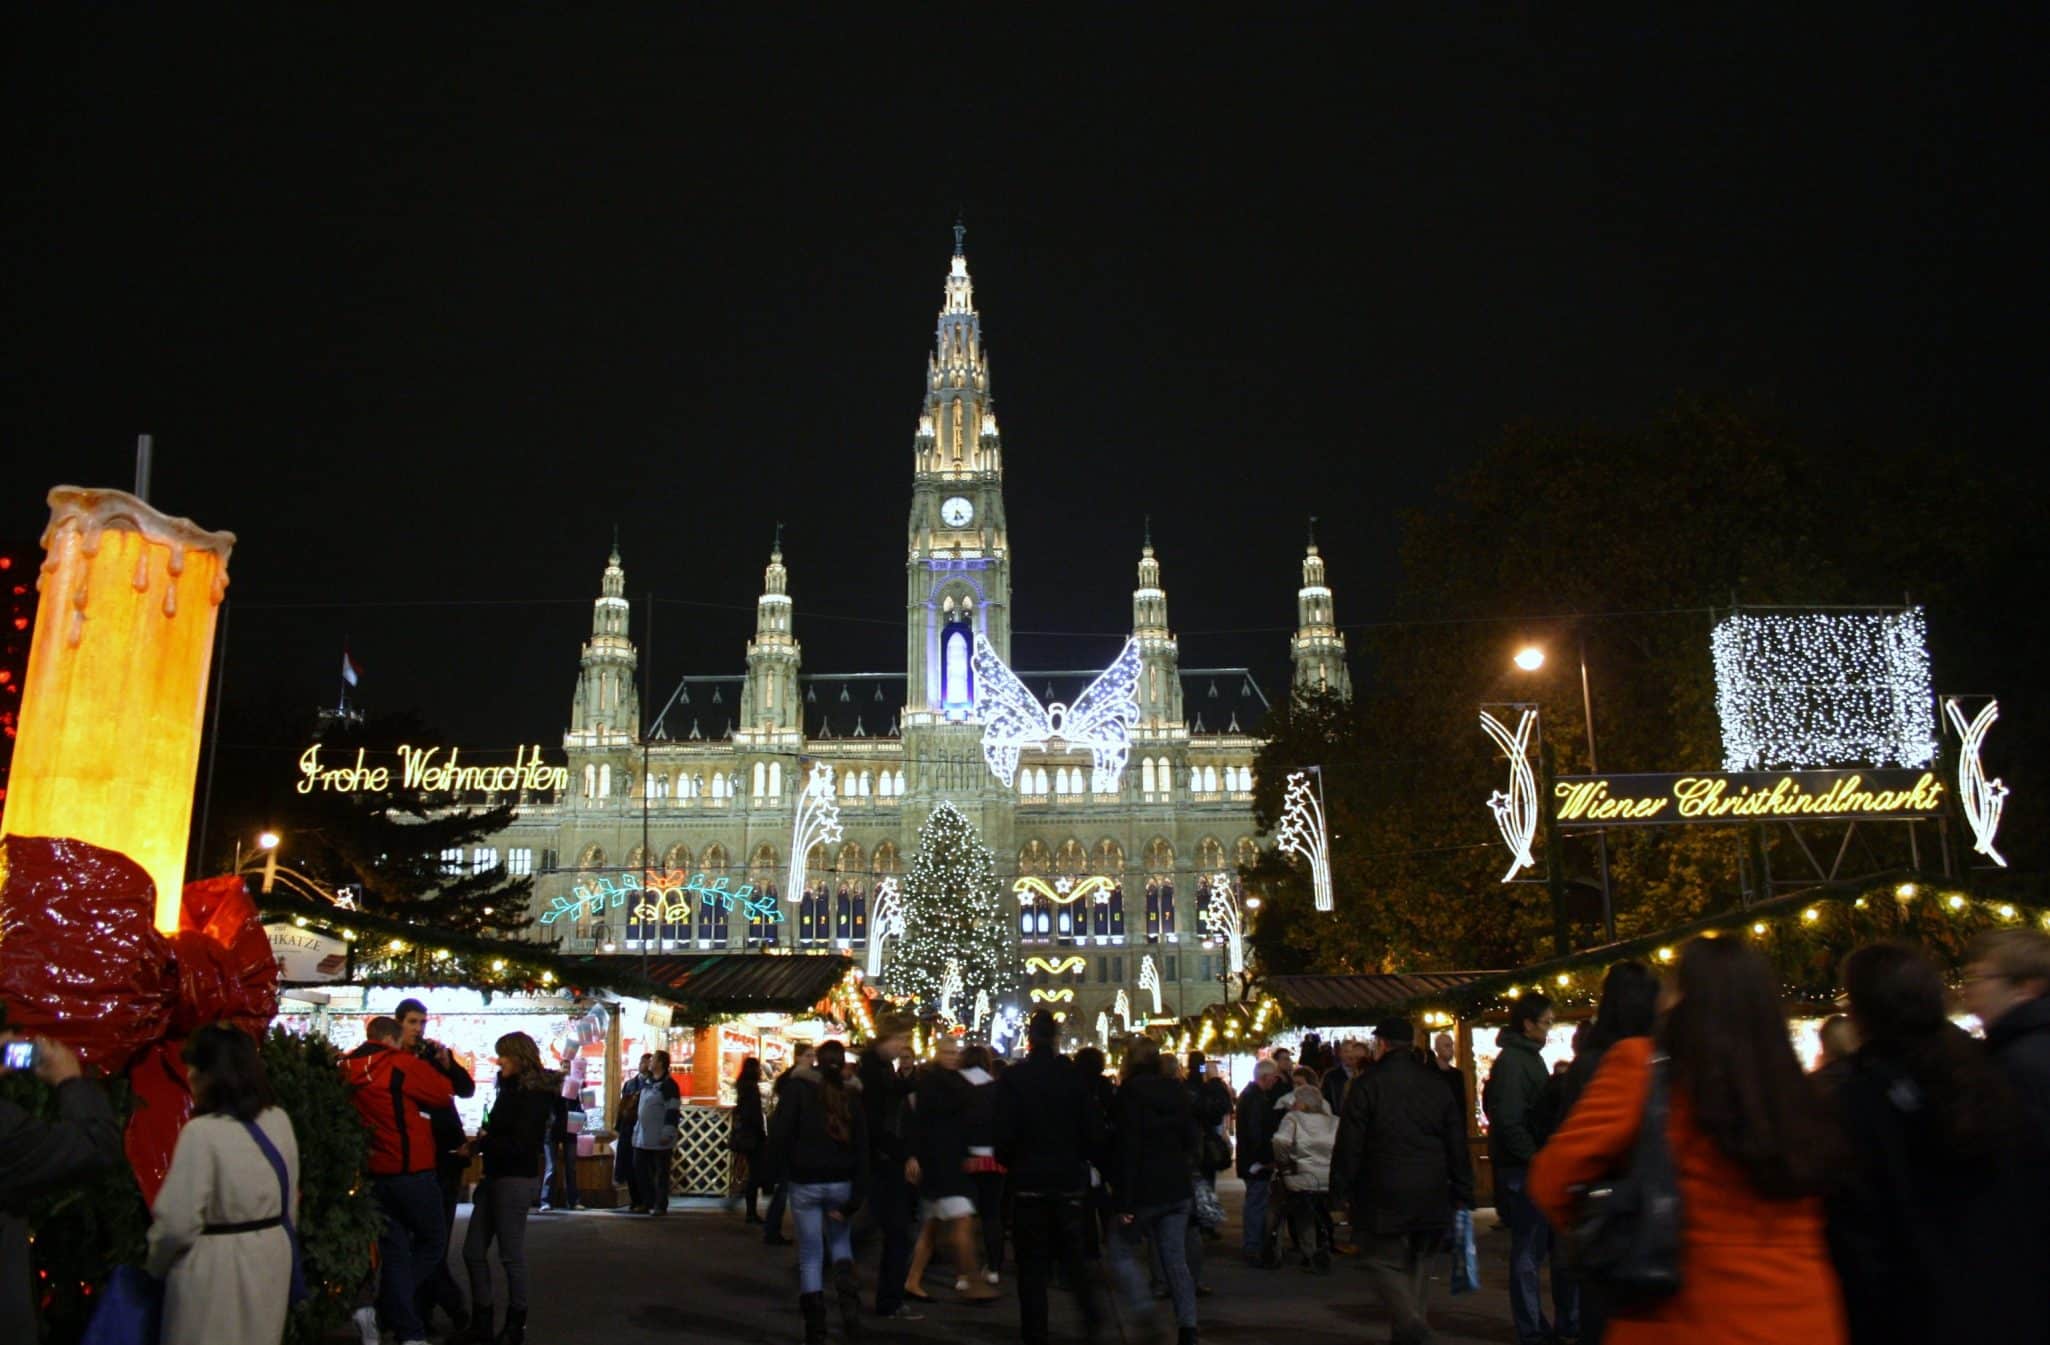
{"x":1060,"y":780}
{"x":1039,"y":778}
{"x":886,"y":858}
{"x":1071,"y":858}
{"x":1159,"y":855}
{"x":814,"y":912}
{"x":1209,"y":855}
{"x":593,"y":857}
{"x":775,"y":779}
{"x":866,"y":778}
{"x":1160,"y":916}
{"x":1210,"y":779}
{"x":636,"y":861}
{"x":718,"y":784}
{"x":1110,"y":858}
{"x":850,"y":913}
{"x":898,"y":788}
{"x":714,"y":924}
{"x":590,"y":781}
{"x":1247,"y":852}
{"x":1148,"y":781}
{"x":1109,"y":916}
{"x":678,"y":859}
{"x":1034,"y":858}
{"x":605,"y":781}
{"x":761,"y":875}
{"x":761,"y":778}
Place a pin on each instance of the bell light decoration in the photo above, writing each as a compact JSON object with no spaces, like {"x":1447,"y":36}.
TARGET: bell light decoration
{"x":115,"y":693}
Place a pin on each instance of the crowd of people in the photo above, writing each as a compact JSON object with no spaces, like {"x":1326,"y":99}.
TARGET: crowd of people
{"x":1895,"y":1194}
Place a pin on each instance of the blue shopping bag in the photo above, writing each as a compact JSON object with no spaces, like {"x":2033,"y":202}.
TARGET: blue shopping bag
{"x":1466,"y":1261}
{"x":130,"y":1311}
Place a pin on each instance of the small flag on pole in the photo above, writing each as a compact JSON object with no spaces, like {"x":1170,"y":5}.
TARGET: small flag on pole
{"x":349,"y":672}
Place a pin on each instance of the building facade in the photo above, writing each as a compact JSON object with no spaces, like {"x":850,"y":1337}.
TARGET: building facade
{"x":712,"y":786}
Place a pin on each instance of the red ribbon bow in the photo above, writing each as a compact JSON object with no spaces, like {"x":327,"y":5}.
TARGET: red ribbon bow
{"x":81,"y":960}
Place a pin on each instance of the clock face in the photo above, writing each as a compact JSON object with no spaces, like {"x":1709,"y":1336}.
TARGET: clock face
{"x":956,"y":512}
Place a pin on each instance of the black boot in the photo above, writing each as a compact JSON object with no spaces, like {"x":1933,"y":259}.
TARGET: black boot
{"x":813,"y":1306}
{"x":1185,"y":1336}
{"x":847,"y":1286}
{"x":477,"y":1329}
{"x":515,"y":1332}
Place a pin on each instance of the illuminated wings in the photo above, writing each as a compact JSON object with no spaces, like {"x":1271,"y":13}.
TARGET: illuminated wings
{"x":1101,"y":719}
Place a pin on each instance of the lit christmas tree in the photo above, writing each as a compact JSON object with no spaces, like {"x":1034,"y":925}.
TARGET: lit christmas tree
{"x":953,"y":913}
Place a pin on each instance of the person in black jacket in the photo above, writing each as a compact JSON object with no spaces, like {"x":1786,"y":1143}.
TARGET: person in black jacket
{"x":1257,"y":1121}
{"x":1402,"y":1160}
{"x":884,"y":1098}
{"x":2007,"y":983}
{"x":939,"y":1165}
{"x":1048,"y":1127}
{"x":37,"y":1156}
{"x":510,"y":1143}
{"x":820,"y":1142}
{"x":1150,"y":1183}
{"x":1933,"y":1231}
{"x":1211,"y":1098}
{"x":1091,"y":1065}
{"x":439,"y":1289}
{"x":749,"y":1131}
{"x":772,"y":1222}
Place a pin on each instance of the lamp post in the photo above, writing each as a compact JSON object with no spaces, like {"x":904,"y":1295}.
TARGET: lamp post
{"x":1530,"y":658}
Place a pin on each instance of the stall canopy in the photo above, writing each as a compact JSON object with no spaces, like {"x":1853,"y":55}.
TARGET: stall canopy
{"x":728,"y":983}
{"x":1325,"y":1001}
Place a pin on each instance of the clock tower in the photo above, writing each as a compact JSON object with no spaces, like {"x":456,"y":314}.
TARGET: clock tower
{"x":959,"y":565}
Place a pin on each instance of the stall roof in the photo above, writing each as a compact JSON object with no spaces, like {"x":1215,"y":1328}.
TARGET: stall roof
{"x":740,"y":982}
{"x":1311,"y":1001}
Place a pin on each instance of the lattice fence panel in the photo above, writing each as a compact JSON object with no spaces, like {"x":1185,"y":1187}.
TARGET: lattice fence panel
{"x":702,"y":1163}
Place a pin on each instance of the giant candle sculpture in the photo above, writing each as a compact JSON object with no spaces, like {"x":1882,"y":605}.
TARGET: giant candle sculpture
{"x":114,"y":699}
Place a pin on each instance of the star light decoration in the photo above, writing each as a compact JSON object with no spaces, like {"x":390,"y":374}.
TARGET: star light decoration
{"x":1100,"y":720}
{"x":1302,"y":833}
{"x":1799,"y":690}
{"x":1983,"y":799}
{"x":1515,"y":811}
{"x":1225,"y":918}
{"x":818,"y":822}
{"x":885,"y":921}
{"x":1149,"y":979}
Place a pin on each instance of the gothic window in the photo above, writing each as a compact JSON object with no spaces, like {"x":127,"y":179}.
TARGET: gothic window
{"x":1248,"y":851}
{"x":1034,"y":858}
{"x":1039,"y":778}
{"x":1210,"y":779}
{"x":713,"y":917}
{"x":1071,"y":858}
{"x":678,"y":859}
{"x":775,"y":779}
{"x":1110,"y":858}
{"x":886,"y":858}
{"x":519,"y":863}
{"x":814,"y":915}
{"x":592,"y":858}
{"x":590,"y":781}
{"x":898,"y":787}
{"x":1109,"y":916}
{"x":1209,"y":855}
{"x":761,"y":778}
{"x":1160,"y":921}
{"x":1060,"y":780}
{"x":1159,"y":855}
{"x":1148,"y":781}
{"x":718,"y":784}
{"x":761,"y":931}
{"x":605,"y":781}
{"x":850,"y":914}
{"x":636,"y":861}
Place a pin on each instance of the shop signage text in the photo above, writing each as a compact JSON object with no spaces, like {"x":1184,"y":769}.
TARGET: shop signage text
{"x":1746,"y":796}
{"x":664,"y":897}
{"x":418,"y":769}
{"x":303,"y":955}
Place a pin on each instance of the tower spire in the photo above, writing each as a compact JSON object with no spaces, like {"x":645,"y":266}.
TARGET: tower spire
{"x":606,"y":704}
{"x":960,"y":236}
{"x":1160,"y":682}
{"x":769,"y":704}
{"x":1318,"y":649}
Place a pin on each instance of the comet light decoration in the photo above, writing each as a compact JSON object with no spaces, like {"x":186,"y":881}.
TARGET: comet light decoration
{"x":1149,"y":979}
{"x":1798,"y":690}
{"x":1100,"y":720}
{"x":1302,"y":832}
{"x":1224,"y":918}
{"x":818,"y":823}
{"x":981,"y":1011}
{"x":885,"y":922}
{"x":1983,"y":799}
{"x":950,"y":986}
{"x":1064,"y":889}
{"x":1515,"y":811}
{"x":1122,"y":1007}
{"x":1103,"y":1029}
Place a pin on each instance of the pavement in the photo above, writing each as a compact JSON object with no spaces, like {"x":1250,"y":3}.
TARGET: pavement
{"x":605,"y":1278}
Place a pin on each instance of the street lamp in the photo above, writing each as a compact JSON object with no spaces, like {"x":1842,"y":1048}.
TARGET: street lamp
{"x":267,"y":840}
{"x":1530,"y":658}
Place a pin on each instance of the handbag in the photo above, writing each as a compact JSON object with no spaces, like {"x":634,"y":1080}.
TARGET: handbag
{"x":1466,"y":1261}
{"x":1209,"y":1209}
{"x":1216,"y":1151}
{"x":130,"y":1310}
{"x":298,"y":1293}
{"x":1626,"y":1228}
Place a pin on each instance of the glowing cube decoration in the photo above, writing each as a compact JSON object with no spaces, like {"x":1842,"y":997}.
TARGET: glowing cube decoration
{"x":1808,"y":690}
{"x":115,"y":696}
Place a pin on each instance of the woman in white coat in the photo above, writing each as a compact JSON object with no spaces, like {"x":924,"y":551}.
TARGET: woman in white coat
{"x":1302,"y":1155}
{"x":219,"y":1238}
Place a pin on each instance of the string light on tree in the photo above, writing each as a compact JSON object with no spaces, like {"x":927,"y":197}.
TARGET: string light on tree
{"x":1100,"y":720}
{"x":1822,"y":689}
{"x":818,"y":823}
{"x":1302,"y":832}
{"x":953,"y":911}
{"x":1983,"y":799}
{"x":1515,"y":811}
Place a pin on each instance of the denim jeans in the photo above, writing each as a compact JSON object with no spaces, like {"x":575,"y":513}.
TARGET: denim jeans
{"x":1530,"y":1242}
{"x":820,"y":1237}
{"x":1167,"y":1226}
{"x":1254,"y":1234}
{"x":498,"y":1213}
{"x":409,"y":1247}
{"x":1049,"y":1228}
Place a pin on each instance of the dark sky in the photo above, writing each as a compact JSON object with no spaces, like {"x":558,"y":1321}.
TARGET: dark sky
{"x":423,"y":309}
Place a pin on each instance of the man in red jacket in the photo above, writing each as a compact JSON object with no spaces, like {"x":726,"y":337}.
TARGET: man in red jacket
{"x":393,"y":1091}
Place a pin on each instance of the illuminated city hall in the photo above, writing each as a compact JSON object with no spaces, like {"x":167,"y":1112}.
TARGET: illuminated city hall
{"x":713,"y":787}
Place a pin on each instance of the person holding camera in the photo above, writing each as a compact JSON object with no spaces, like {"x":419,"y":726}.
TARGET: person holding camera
{"x":437,"y":1286}
{"x":36,"y":1155}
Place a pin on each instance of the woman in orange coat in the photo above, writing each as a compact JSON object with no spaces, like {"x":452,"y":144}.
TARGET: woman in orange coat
{"x":1753,"y":1148}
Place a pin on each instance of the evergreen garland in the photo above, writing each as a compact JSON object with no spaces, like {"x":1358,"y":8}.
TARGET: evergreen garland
{"x":338,"y":1216}
{"x":953,"y":911}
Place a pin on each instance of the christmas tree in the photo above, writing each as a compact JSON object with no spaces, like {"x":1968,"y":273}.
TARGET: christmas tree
{"x":953,"y":913}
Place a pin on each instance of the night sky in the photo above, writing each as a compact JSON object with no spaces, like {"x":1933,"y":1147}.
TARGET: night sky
{"x":424,"y":308}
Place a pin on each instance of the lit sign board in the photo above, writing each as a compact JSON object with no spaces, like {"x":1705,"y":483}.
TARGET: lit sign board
{"x":1745,"y":796}
{"x":664,"y":898}
{"x":418,"y":769}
